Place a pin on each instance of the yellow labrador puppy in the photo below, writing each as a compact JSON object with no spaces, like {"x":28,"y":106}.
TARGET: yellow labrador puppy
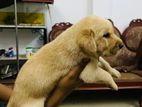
{"x":91,"y":37}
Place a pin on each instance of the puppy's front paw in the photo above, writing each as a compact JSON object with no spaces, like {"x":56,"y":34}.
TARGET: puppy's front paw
{"x":114,"y":86}
{"x":115,"y":73}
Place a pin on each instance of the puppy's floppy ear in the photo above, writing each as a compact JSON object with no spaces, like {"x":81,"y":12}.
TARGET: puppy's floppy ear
{"x":87,"y":43}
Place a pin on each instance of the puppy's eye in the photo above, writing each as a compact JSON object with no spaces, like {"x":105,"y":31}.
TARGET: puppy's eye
{"x":106,"y":35}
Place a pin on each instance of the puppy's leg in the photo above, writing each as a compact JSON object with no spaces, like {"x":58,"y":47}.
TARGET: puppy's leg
{"x":19,"y":100}
{"x":93,"y":74}
{"x":108,"y":68}
{"x":34,"y":103}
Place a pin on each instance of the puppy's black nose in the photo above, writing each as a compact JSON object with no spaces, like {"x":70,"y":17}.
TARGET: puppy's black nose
{"x":120,"y":46}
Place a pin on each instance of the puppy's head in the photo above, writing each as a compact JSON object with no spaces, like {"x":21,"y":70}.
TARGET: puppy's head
{"x":97,"y":37}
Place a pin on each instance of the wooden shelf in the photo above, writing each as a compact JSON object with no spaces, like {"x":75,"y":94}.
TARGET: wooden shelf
{"x":12,"y":58}
{"x":27,"y":26}
{"x":39,"y":1}
{"x":24,"y":26}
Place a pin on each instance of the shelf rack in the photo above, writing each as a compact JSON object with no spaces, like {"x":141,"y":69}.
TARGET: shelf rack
{"x":17,"y":59}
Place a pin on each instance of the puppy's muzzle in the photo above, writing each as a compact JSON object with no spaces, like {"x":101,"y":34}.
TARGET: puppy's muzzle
{"x":117,"y":47}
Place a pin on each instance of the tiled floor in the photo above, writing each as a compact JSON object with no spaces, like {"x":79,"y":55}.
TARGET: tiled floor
{"x":103,"y":99}
{"x":121,"y":98}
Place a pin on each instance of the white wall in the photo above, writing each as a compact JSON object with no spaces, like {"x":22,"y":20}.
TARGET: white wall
{"x":120,"y":11}
{"x":68,"y":10}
